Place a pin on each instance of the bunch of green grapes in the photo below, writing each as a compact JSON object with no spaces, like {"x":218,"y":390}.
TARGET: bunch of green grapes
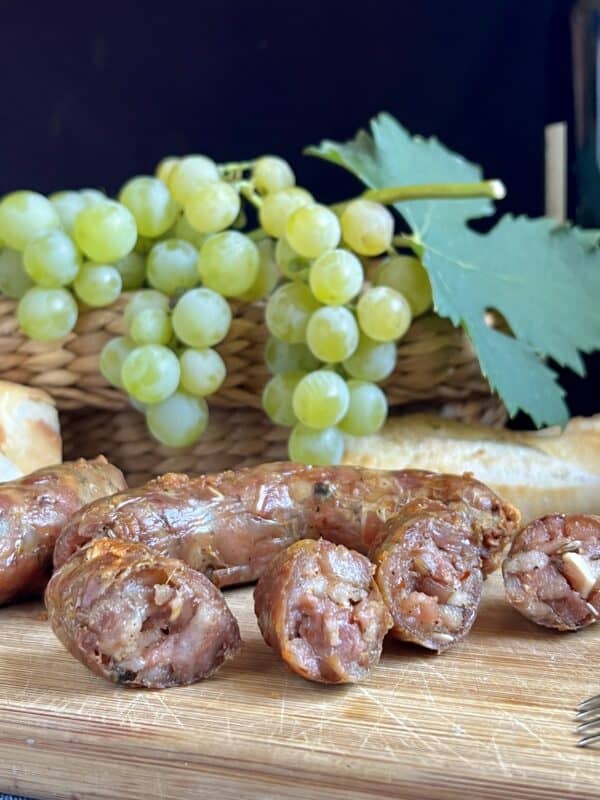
{"x":333,"y":333}
{"x":175,"y":237}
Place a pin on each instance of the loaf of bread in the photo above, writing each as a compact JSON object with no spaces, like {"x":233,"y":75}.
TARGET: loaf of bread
{"x":540,"y":472}
{"x":29,"y":431}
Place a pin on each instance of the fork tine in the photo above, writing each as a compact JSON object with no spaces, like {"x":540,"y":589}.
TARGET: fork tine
{"x":592,"y":723}
{"x":589,"y":703}
{"x":587,"y":712}
{"x":587,"y":740}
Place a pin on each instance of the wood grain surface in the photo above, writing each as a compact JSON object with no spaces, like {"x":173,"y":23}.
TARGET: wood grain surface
{"x":492,"y":718}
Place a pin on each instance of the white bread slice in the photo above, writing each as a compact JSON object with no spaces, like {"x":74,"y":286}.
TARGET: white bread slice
{"x":540,"y":472}
{"x":29,"y":430}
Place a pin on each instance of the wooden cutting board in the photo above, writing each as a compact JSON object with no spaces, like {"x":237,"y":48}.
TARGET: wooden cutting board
{"x":492,"y":718}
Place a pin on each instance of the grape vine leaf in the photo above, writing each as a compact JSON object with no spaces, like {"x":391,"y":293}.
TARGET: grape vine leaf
{"x":541,"y":277}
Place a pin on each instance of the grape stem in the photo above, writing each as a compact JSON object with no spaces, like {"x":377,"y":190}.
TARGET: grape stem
{"x":246,"y":188}
{"x":493,"y":189}
{"x":236,"y":166}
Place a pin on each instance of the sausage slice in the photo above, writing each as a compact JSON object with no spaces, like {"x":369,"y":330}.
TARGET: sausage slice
{"x":552,"y":572}
{"x":138,"y":618}
{"x":429,"y":573}
{"x":318,"y":607}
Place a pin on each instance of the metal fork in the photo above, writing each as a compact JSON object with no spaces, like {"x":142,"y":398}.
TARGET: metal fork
{"x":588,"y":718}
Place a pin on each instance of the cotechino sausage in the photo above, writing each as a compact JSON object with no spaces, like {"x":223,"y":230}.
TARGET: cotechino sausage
{"x":230,"y":525}
{"x":318,"y":606}
{"x":138,"y":618}
{"x":429,"y":573}
{"x":552,"y":572}
{"x":33,"y":511}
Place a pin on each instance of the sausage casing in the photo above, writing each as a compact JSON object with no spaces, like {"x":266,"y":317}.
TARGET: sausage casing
{"x":318,"y":606}
{"x":139,"y":618}
{"x":552,"y":572}
{"x":429,"y":573}
{"x":231,"y":524}
{"x":33,"y":511}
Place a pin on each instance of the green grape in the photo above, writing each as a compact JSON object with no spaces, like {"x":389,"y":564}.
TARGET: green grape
{"x":68,"y":205}
{"x":188,"y":174}
{"x":151,"y":204}
{"x":283,"y":357}
{"x":288,"y":311}
{"x":277,"y":207}
{"x":367,"y":227}
{"x":277,"y":397}
{"x":151,"y":326}
{"x":183,"y":230}
{"x":112,"y":356}
{"x":212,"y":207}
{"x":367,"y":410}
{"x":228,"y":263}
{"x":313,"y":230}
{"x":25,"y":215}
{"x":143,"y":245}
{"x":371,"y":361}
{"x":178,"y":421}
{"x":408,"y":276}
{"x":319,"y":447}
{"x":321,"y":399}
{"x":46,"y":314}
{"x":98,"y":285}
{"x":201,"y":318}
{"x":92,"y":196}
{"x":165,"y":167}
{"x":52,"y":260}
{"x":336,"y":277}
{"x":272,"y":174}
{"x":14,"y":281}
{"x":383,"y":314}
{"x":105,"y":231}
{"x":292,"y":265}
{"x":132,"y":269}
{"x":150,"y":373}
{"x":267,"y":276}
{"x":332,"y":334}
{"x":145,"y":298}
{"x":172,"y":266}
{"x":202,"y":371}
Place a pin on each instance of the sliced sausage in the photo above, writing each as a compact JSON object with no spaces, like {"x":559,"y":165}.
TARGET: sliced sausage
{"x":429,"y":573}
{"x":552,"y":572}
{"x":138,"y":618}
{"x":230,"y":525}
{"x":318,"y":607}
{"x":33,"y":511}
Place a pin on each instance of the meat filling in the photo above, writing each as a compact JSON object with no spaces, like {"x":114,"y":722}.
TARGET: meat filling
{"x":318,"y":607}
{"x":430,"y":577}
{"x":552,"y":572}
{"x":138,"y":618}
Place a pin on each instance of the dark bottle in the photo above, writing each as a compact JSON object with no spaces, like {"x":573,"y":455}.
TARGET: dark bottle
{"x":585,"y":28}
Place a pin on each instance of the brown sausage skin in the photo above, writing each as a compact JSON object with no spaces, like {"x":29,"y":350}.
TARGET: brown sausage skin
{"x":552,"y":572}
{"x":318,"y":607}
{"x":429,"y":573}
{"x":231,"y":524}
{"x":33,"y":511}
{"x":138,"y":618}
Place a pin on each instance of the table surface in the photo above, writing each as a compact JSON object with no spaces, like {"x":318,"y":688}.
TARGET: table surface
{"x":493,"y":717}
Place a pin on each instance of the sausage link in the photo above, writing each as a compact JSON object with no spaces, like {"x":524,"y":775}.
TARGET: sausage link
{"x":429,"y":573}
{"x":230,"y":525}
{"x":552,"y":572}
{"x":138,"y":618}
{"x":318,"y":606}
{"x":33,"y":511}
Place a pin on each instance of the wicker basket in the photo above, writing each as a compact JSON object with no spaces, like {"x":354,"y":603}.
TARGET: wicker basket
{"x":436,"y":367}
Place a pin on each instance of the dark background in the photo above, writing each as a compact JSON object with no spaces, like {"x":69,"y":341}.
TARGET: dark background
{"x":92,"y":93}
